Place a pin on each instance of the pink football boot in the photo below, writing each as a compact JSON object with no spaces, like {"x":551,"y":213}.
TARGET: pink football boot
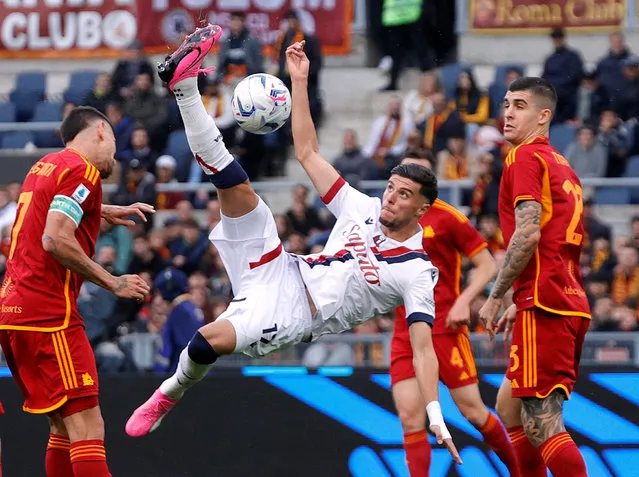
{"x":149,"y":415}
{"x":186,"y":61}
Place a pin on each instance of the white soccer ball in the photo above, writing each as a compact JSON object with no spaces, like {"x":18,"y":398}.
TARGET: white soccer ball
{"x":261,"y":103}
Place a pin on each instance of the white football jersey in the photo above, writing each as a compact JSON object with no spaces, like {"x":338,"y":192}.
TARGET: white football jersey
{"x":362,"y":273}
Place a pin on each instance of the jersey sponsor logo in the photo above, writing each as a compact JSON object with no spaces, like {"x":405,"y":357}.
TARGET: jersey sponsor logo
{"x":573,"y":291}
{"x":358,"y":247}
{"x":429,"y":232}
{"x":81,"y":193}
{"x":11,"y":309}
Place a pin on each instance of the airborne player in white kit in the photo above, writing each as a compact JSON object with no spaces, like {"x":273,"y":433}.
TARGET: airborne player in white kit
{"x":373,"y":260}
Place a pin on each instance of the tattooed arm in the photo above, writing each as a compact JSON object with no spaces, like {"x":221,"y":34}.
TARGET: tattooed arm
{"x":521,"y":248}
{"x":59,"y":240}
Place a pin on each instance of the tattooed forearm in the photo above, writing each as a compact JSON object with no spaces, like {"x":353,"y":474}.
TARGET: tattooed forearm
{"x":522,"y":246}
{"x":542,"y":418}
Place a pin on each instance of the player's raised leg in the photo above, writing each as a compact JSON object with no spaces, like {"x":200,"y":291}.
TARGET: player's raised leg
{"x":412,"y":414}
{"x":469,"y":402}
{"x":529,"y":461}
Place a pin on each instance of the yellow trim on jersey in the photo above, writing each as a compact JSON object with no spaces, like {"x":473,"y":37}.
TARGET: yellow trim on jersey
{"x":523,"y":198}
{"x":47,"y":410}
{"x":441,"y":205}
{"x":67,"y":316}
{"x":478,"y":249}
{"x":62,"y":174}
{"x":65,"y":348}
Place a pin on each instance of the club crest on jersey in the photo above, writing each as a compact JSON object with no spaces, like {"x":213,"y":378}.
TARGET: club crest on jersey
{"x":81,"y":193}
{"x":358,"y":248}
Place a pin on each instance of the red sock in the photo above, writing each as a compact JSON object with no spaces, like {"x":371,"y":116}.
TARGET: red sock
{"x":57,"y":461}
{"x":495,"y":436}
{"x":529,"y":461}
{"x":88,"y":459}
{"x":562,"y":456}
{"x":417,"y":451}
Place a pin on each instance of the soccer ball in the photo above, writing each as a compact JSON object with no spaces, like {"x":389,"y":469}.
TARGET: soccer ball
{"x":261,"y":103}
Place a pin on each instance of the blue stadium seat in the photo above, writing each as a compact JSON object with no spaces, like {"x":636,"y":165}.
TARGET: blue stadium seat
{"x":80,"y":85}
{"x":445,"y":194}
{"x":612,"y":196}
{"x":502,"y":70}
{"x":16,"y":140}
{"x":31,"y":81}
{"x":46,"y":111}
{"x":632,"y":167}
{"x":178,"y":147}
{"x":448,"y":77}
{"x":561,"y":135}
{"x":7,"y":112}
{"x":496,"y":93}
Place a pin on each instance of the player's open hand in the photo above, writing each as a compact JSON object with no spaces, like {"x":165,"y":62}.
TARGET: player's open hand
{"x":506,"y":322}
{"x":444,"y":437}
{"x":131,"y":286}
{"x":118,"y":214}
{"x":488,"y":313}
{"x":297,"y":62}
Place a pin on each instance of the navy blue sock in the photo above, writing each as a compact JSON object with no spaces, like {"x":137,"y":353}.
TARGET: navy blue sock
{"x":231,"y":176}
{"x":200,"y":351}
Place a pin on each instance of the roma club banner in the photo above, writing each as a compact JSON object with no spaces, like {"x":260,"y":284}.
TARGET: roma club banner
{"x":101,"y":28}
{"x":539,"y":16}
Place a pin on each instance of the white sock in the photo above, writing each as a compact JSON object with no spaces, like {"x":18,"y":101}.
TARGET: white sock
{"x":187,"y":374}
{"x":203,"y":135}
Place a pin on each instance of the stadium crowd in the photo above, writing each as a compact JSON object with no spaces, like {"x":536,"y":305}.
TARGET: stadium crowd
{"x":453,"y":123}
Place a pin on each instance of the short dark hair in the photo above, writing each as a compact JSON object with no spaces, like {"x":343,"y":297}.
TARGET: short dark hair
{"x":539,"y":87}
{"x":420,"y":174}
{"x":79,"y":119}
{"x":238,"y":14}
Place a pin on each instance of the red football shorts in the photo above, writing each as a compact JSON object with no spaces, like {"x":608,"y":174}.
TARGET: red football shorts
{"x":545,"y":352}
{"x":52,"y":369}
{"x":454,"y":353}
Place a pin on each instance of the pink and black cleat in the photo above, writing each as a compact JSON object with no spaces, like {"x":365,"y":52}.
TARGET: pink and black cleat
{"x":186,"y":61}
{"x":149,"y":415}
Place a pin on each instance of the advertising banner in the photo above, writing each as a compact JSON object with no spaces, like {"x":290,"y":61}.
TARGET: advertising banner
{"x":298,"y":423}
{"x":539,"y":16}
{"x":101,"y":28}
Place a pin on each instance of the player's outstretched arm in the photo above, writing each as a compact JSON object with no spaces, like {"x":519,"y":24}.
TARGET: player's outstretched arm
{"x":427,"y":373}
{"x":59,"y":240}
{"x":320,"y":171}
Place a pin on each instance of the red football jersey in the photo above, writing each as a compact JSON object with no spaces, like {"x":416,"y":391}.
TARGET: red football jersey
{"x":552,"y":279}
{"x":448,"y":234}
{"x":39,"y":293}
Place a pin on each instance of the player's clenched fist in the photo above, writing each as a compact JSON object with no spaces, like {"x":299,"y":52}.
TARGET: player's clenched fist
{"x":131,"y":286}
{"x":297,"y":62}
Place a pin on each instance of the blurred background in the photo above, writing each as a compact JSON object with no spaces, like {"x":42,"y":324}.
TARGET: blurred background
{"x":429,"y":81}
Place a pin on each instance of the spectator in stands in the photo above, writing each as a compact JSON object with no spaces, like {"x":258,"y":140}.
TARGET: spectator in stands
{"x":587,"y":156}
{"x":485,"y":195}
{"x":220,"y":284}
{"x":352,"y":163}
{"x":296,"y":244}
{"x":188,"y":251}
{"x":145,"y":259}
{"x":122,"y":126}
{"x":213,"y":213}
{"x":164,"y":173}
{"x":8,"y":209}
{"x":14,"y":188}
{"x":628,"y":99}
{"x":303,"y":218}
{"x":129,"y":67}
{"x":292,"y":34}
{"x":121,"y":240}
{"x":498,"y":91}
{"x":593,"y":99}
{"x":101,"y":95}
{"x":137,"y":185}
{"x":610,"y":69}
{"x":217,"y":102}
{"x":147,"y":108}
{"x":625,"y":281}
{"x":441,"y":125}
{"x":634,"y":232}
{"x":564,"y":70}
{"x":241,"y":53}
{"x":472,"y":104}
{"x":415,"y":147}
{"x":140,"y":149}
{"x":595,"y":229}
{"x":96,"y":304}
{"x":613,"y":135}
{"x":387,"y":139}
{"x":452,"y":162}
{"x":184,"y":210}
{"x":488,"y":226}
{"x":418,"y":104}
